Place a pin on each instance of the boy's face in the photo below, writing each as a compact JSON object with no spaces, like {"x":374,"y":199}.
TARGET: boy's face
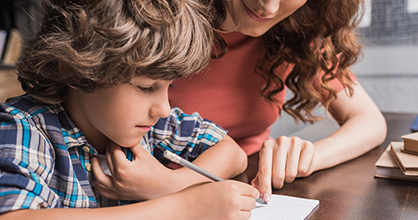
{"x":122,"y":114}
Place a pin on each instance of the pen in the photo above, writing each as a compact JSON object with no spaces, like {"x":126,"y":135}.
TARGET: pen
{"x":185,"y":163}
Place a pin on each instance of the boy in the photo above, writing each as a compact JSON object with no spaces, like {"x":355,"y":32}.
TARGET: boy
{"x":96,"y":79}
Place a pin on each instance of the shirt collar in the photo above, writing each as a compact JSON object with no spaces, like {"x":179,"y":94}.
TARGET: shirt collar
{"x":73,"y":136}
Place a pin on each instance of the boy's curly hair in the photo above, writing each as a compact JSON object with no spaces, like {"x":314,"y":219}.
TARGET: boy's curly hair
{"x":318,"y":38}
{"x":97,"y":44}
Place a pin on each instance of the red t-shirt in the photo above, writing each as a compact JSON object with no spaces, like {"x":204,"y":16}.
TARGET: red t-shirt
{"x":227,"y":92}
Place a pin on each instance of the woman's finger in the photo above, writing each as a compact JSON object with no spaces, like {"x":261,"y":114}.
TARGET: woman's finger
{"x":293,"y":156}
{"x":306,"y":158}
{"x":279,"y":162}
{"x":265,"y":169}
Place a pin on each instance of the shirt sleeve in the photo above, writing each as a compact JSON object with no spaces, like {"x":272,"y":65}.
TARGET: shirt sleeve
{"x":185,"y":135}
{"x":25,"y":166}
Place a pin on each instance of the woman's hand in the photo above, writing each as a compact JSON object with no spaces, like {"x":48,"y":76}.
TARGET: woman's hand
{"x":282,"y":160}
{"x":142,"y":178}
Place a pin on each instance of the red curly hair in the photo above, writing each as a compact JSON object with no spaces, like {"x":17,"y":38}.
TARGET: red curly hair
{"x":319,"y":39}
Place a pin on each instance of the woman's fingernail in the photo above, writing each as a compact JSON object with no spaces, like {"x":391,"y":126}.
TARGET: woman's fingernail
{"x":266,"y":197}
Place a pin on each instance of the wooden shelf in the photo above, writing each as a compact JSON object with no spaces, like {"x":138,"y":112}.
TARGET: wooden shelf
{"x":9,"y":84}
{"x":21,"y":15}
{"x":6,"y":67}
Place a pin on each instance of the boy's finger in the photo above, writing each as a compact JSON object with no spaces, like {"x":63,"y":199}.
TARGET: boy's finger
{"x":248,"y":190}
{"x":138,"y":151}
{"x":243,"y":214}
{"x":104,"y":191}
{"x":116,"y":156}
{"x":247,"y":203}
{"x":265,"y":169}
{"x":100,"y":176}
{"x":109,"y":160}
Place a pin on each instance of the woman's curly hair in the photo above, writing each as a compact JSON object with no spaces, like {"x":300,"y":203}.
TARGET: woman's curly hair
{"x":97,"y":44}
{"x":319,"y":40}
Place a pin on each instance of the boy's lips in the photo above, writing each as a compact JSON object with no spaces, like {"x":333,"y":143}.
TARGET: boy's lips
{"x":254,"y":16}
{"x":144,"y":127}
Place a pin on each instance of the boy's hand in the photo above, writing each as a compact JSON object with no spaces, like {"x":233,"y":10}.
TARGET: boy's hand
{"x":142,"y":178}
{"x":227,"y":199}
{"x":282,"y":160}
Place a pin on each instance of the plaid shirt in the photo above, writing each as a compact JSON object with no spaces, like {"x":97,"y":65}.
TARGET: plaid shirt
{"x":45,"y":158}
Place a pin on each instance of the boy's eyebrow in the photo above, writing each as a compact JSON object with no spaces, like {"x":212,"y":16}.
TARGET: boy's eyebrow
{"x":139,"y":81}
{"x":150,"y":81}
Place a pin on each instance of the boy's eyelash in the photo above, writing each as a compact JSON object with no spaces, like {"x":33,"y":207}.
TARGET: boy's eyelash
{"x":150,"y":89}
{"x":145,"y":89}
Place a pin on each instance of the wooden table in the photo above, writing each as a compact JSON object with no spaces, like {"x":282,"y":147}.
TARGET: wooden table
{"x":350,"y":191}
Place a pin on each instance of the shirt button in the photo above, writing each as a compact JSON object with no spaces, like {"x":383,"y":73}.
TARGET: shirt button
{"x":86,"y":149}
{"x":88,"y":167}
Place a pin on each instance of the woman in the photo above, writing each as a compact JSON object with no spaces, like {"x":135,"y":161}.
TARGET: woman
{"x":274,"y":45}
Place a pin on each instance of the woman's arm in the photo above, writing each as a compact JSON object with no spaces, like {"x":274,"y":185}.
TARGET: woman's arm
{"x":221,"y":200}
{"x":362,"y":127}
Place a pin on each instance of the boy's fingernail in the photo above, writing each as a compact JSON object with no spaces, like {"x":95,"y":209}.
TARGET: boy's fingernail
{"x":266,"y":197}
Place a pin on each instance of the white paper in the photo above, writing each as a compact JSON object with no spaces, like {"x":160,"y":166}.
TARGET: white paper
{"x":284,"y":207}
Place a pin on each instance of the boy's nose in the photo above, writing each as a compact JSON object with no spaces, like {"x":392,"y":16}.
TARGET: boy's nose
{"x":161,"y":109}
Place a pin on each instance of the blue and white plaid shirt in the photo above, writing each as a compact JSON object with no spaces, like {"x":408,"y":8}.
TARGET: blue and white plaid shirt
{"x":45,"y":158}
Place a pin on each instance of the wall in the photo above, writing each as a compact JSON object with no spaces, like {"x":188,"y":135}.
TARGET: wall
{"x":390,"y":75}
{"x":389,"y":68}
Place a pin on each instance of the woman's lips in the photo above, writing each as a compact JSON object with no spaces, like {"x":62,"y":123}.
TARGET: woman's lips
{"x":254,"y":16}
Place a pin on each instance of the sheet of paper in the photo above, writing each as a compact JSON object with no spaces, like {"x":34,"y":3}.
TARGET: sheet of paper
{"x":284,"y":207}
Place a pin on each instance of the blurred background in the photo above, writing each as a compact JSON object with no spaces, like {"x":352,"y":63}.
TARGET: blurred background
{"x":388,"y":68}
{"x":19,"y":19}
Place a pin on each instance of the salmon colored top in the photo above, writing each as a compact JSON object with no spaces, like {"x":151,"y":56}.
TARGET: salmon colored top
{"x":227,"y":92}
